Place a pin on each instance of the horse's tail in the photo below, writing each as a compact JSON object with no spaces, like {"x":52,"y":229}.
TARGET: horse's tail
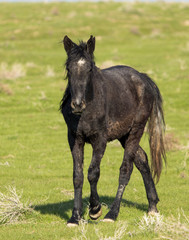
{"x":156,"y":129}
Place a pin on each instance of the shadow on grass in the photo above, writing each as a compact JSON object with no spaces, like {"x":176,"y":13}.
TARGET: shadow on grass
{"x":62,"y":209}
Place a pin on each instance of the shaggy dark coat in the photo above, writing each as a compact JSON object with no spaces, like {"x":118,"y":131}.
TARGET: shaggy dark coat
{"x":100,"y":106}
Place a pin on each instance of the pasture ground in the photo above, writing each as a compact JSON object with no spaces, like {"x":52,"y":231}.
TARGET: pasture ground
{"x":34,"y":153}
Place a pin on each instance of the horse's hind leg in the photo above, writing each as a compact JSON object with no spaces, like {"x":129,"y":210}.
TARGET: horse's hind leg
{"x":99,"y":145}
{"x":130,"y":144}
{"x":141,"y":162}
{"x":125,"y":173}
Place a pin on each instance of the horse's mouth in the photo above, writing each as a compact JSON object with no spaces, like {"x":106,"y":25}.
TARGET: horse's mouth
{"x":78,"y":107}
{"x":77,"y":112}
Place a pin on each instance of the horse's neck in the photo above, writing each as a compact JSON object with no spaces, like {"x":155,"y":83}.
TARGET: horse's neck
{"x":97,"y":84}
{"x":98,"y":87}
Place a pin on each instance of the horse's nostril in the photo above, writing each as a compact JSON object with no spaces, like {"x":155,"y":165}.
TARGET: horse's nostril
{"x":83,"y":105}
{"x":73,"y":104}
{"x":78,"y":106}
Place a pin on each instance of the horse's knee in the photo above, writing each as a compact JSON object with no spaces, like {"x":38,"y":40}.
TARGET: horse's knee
{"x":125,"y":172}
{"x":77,"y":180}
{"x":93,"y":174}
{"x":126,"y":168}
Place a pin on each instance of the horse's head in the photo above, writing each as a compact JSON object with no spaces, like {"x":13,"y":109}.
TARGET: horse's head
{"x":79,"y":66}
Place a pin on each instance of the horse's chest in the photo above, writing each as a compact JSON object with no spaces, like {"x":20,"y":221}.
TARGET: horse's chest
{"x":91,"y":125}
{"x":87,"y":124}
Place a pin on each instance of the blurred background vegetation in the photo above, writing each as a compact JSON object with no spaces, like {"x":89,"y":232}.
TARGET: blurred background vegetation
{"x":34,"y":154}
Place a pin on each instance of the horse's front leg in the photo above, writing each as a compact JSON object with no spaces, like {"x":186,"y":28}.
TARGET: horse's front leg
{"x":99,"y":146}
{"x":77,"y":149}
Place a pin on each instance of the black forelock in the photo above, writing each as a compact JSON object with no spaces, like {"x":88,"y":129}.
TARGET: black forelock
{"x":79,"y":51}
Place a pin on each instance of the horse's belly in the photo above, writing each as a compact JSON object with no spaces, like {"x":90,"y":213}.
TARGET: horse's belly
{"x":118,"y":129}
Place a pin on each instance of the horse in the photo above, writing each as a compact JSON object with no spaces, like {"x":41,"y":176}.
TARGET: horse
{"x":103,"y":105}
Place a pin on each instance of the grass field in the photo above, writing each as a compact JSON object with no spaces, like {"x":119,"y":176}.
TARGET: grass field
{"x":34,"y":153}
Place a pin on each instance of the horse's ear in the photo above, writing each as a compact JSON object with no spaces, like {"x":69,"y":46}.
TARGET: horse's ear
{"x":68,"y":44}
{"x":91,"y":45}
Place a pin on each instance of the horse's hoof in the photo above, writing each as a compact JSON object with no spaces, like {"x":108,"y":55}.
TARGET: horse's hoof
{"x":95,"y":213}
{"x":110,"y":217}
{"x":152,"y":211}
{"x":72,"y":225}
{"x":108,"y":220}
{"x":73,"y":222}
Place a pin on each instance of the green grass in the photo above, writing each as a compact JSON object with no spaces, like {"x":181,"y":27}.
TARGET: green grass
{"x":34,"y":153}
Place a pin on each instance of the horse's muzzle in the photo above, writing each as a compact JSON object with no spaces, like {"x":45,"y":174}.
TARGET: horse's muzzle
{"x":78,"y":107}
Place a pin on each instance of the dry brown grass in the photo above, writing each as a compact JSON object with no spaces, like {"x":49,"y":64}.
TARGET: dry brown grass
{"x":5,"y":164}
{"x":171,"y":142}
{"x":55,"y":11}
{"x":107,"y":64}
{"x":50,"y":72}
{"x":173,"y":228}
{"x":4,"y":88}
{"x":68,"y":193}
{"x":176,"y":228}
{"x":13,"y":72}
{"x":151,"y":223}
{"x":12,"y":209}
{"x":135,"y":30}
{"x":119,"y":233}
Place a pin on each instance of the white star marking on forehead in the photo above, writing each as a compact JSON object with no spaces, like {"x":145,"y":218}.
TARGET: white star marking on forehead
{"x":81,"y":62}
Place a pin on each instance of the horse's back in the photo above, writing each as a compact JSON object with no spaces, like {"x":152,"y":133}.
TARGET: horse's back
{"x":128,"y":84}
{"x":119,"y":71}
